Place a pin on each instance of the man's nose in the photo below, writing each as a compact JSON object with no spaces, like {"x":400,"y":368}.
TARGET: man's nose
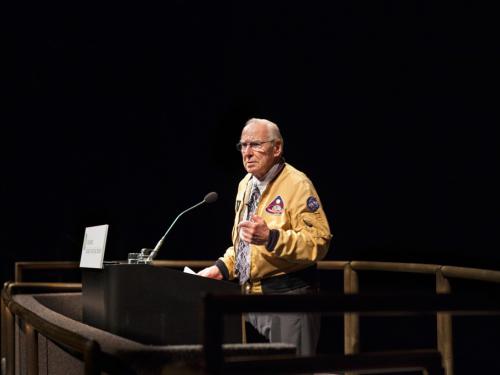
{"x":247,"y":150}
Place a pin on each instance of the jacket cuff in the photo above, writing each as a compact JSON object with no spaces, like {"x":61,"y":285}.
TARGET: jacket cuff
{"x":274,"y":235}
{"x":222,"y":268}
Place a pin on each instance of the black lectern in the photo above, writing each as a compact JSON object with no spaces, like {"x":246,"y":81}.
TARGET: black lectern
{"x":152,"y":305}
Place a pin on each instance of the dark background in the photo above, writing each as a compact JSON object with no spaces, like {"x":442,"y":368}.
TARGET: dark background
{"x":126,"y":115}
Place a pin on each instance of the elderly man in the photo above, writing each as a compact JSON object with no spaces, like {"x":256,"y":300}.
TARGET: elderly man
{"x":280,"y":232}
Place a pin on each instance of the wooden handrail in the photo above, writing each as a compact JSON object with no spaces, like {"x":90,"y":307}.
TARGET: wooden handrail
{"x":87,"y":348}
{"x":471,"y":273}
{"x":394,"y":267}
{"x":182,"y":263}
{"x":33,"y":287}
{"x":366,"y":304}
{"x":332,"y":264}
{"x":448,"y":271}
{"x":20,"y":267}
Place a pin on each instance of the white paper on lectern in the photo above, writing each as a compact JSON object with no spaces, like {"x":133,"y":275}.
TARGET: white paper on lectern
{"x":94,"y":244}
{"x":189,"y":270}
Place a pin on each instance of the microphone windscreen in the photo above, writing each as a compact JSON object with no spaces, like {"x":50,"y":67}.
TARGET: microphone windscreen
{"x":211,"y":197}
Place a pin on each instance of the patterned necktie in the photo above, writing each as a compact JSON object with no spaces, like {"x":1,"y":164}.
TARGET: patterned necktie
{"x":243,"y":254}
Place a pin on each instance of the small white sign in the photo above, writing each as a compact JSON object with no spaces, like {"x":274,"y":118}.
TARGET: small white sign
{"x":94,"y":244}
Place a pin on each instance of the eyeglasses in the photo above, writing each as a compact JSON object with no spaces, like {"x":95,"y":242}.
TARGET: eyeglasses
{"x":256,"y":146}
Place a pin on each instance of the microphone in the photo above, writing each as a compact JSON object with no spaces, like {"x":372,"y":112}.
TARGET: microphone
{"x":209,"y":198}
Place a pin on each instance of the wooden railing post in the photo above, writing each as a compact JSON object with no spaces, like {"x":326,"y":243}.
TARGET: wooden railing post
{"x":351,"y":320}
{"x":31,"y":349}
{"x":3,"y":338}
{"x":91,"y":358}
{"x":212,"y":336}
{"x":444,"y":326}
{"x":18,"y":272}
{"x":7,"y":338}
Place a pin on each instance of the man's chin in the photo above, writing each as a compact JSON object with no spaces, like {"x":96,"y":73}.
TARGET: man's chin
{"x":252,"y":171}
{"x":250,"y":168}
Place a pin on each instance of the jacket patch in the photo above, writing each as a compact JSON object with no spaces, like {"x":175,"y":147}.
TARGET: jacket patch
{"x":276,"y":207}
{"x":312,"y":204}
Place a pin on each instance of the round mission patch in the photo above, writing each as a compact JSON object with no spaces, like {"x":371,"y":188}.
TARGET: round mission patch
{"x":312,"y":204}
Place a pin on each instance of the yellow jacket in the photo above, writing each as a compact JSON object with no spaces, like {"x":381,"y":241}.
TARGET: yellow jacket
{"x":292,"y":209}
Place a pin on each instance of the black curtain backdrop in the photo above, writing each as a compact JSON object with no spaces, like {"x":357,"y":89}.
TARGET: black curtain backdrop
{"x":126,"y":115}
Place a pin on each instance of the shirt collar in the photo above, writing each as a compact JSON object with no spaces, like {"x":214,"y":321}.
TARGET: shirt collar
{"x":262,"y":184}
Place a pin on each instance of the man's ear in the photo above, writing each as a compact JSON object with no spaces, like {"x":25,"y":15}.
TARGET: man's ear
{"x":277,"y":148}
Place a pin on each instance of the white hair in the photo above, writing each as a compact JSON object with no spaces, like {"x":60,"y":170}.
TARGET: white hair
{"x":273,"y":129}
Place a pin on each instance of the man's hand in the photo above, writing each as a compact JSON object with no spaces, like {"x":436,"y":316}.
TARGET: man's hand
{"x":212,"y":272}
{"x":254,"y":231}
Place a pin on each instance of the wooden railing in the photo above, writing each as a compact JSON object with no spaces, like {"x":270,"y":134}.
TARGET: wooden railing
{"x":32,"y":324}
{"x":217,"y":306}
{"x":350,"y":269}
